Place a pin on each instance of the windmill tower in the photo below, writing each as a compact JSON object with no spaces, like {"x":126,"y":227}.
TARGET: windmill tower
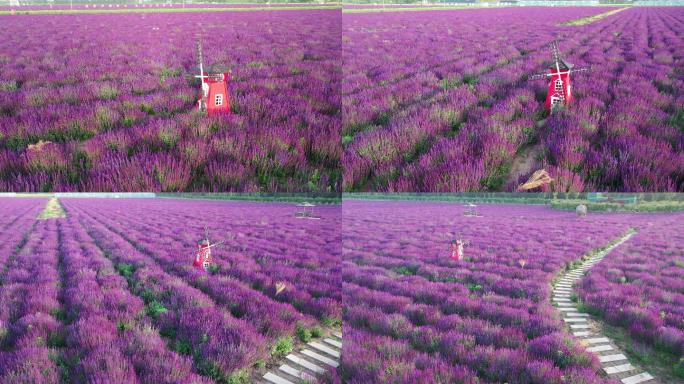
{"x":203,"y":259}
{"x":457,"y":246}
{"x":306,"y":211}
{"x":214,"y":93}
{"x":560,"y":87}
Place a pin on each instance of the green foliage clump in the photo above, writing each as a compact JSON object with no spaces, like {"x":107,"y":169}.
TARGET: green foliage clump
{"x":125,"y":270}
{"x":679,"y":368}
{"x":282,"y":347}
{"x":406,"y":270}
{"x":450,"y":82}
{"x":155,"y":308}
{"x":331,"y":322}
{"x":303,"y":333}
{"x":107,"y":92}
{"x":104,"y":118}
{"x":241,"y":376}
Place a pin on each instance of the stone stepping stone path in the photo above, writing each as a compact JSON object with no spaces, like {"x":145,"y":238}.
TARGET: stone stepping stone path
{"x":585,"y":328}
{"x":316,"y":358}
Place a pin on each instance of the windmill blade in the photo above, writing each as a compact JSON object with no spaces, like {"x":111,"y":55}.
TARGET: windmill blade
{"x":554,"y":50}
{"x":581,"y":69}
{"x":215,"y":244}
{"x":538,"y":76}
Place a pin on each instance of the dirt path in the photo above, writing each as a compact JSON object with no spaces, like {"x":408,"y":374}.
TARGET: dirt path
{"x":53,"y":210}
{"x":524,"y":162}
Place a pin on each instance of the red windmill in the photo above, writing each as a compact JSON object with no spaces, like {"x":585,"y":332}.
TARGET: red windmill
{"x":457,"y":249}
{"x":560,"y":87}
{"x":203,"y":259}
{"x":214,"y":93}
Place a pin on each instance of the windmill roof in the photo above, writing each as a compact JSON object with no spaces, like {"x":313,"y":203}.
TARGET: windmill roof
{"x":565,"y":64}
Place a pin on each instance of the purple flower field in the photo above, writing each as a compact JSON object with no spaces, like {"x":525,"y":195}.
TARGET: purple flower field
{"x":412,"y":315}
{"x":440,"y":101}
{"x":641,"y":287}
{"x":108,"y":294}
{"x":97,"y":102}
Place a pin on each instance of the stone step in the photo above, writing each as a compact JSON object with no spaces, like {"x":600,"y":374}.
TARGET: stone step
{"x":296,"y":373}
{"x":324,"y":349}
{"x":574,"y":320}
{"x":561,"y":299}
{"x":610,"y":358}
{"x":337,"y":334}
{"x":566,"y":304}
{"x":305,"y":363}
{"x":640,"y":378}
{"x":581,"y":333}
{"x":579,"y":326}
{"x":321,"y":358}
{"x":573,"y":309}
{"x":333,"y":342}
{"x":619,"y":369}
{"x":597,"y":340}
{"x":576,"y":314}
{"x":600,"y":348}
{"x":275,"y":379}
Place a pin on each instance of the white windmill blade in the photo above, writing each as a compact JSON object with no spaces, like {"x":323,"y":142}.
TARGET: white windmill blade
{"x":539,"y":76}
{"x":554,"y":50}
{"x":215,"y":244}
{"x":582,"y":69}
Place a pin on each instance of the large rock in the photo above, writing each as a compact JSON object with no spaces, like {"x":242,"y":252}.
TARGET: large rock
{"x":581,"y":210}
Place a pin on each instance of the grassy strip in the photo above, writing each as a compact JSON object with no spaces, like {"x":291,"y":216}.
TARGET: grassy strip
{"x":641,"y":206}
{"x":319,"y":198}
{"x":591,"y":19}
{"x":53,"y":210}
{"x":164,"y":10}
{"x":408,"y":9}
{"x":657,"y":202}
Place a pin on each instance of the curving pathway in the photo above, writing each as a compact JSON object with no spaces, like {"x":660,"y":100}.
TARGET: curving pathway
{"x":583,"y":326}
{"x":317,"y":357}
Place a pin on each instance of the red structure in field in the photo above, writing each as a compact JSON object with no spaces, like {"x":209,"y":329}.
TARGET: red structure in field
{"x":457,"y":249}
{"x":203,"y":259}
{"x":560,"y":86}
{"x":214,"y":93}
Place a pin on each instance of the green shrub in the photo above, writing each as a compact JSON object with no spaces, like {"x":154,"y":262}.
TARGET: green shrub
{"x":282,"y":347}
{"x":679,"y":368}
{"x":155,"y":308}
{"x":303,"y":333}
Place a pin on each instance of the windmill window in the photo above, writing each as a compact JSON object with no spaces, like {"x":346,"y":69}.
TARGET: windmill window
{"x":559,"y":85}
{"x":218,"y":100}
